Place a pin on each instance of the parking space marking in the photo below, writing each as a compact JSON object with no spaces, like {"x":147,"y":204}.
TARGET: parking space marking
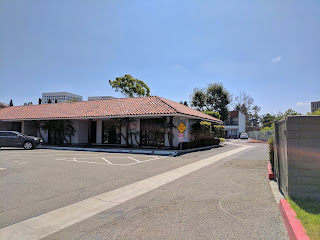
{"x":56,"y":220}
{"x":109,"y":160}
{"x":2,"y":168}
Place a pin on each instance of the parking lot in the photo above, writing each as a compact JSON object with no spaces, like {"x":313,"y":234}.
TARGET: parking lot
{"x":135,"y":190}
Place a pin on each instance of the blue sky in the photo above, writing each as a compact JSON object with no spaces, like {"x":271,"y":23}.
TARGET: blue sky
{"x":268,"y":49}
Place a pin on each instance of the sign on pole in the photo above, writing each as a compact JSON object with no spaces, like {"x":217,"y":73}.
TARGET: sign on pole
{"x":181,"y":127}
{"x":181,"y":137}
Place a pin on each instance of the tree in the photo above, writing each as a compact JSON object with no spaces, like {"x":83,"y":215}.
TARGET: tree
{"x":245,"y":104}
{"x":198,"y":98}
{"x":315,"y":112}
{"x":218,"y":99}
{"x":11,"y":103}
{"x":213,"y":114}
{"x":130,"y":87}
{"x":55,"y":101}
{"x":184,"y":103}
{"x":49,"y":101}
{"x":39,"y":101}
{"x":267,"y":120}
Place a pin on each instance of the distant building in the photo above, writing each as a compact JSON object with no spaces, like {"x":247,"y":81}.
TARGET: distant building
{"x":100,"y":98}
{"x":315,"y":106}
{"x":61,"y":97}
{"x":235,"y":124}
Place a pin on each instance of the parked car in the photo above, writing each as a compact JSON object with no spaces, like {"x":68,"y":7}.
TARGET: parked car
{"x":243,"y":136}
{"x":16,"y":139}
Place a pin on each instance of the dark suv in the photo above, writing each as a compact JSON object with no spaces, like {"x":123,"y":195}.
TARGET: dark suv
{"x":16,"y":139}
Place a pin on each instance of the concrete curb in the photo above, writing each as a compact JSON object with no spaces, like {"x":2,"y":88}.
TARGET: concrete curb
{"x":293,"y":225}
{"x":271,"y":175}
{"x":133,"y":151}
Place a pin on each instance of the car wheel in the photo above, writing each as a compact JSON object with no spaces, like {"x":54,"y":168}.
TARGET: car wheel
{"x":28,"y":145}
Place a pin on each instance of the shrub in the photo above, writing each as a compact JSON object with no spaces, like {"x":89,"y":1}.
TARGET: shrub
{"x":218,"y":131}
{"x":201,"y":130}
{"x":271,"y":152}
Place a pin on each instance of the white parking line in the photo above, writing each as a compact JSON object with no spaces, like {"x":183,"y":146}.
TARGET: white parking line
{"x":51,"y":222}
{"x":106,"y":161}
{"x":2,"y":168}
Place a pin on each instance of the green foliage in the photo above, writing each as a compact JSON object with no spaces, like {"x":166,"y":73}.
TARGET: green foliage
{"x":271,"y":151}
{"x":218,"y":99}
{"x":198,"y":98}
{"x":213,"y":98}
{"x":55,"y":101}
{"x":205,"y":130}
{"x":58,"y":130}
{"x":308,"y":212}
{"x":130,"y":87}
{"x":315,"y":112}
{"x":218,"y":131}
{"x":49,"y":101}
{"x":11,"y":103}
{"x":267,"y":121}
{"x":201,"y":130}
{"x":213,"y":114}
{"x":39,"y":101}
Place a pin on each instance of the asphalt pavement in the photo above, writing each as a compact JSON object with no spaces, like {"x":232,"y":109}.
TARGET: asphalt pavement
{"x":225,"y":197}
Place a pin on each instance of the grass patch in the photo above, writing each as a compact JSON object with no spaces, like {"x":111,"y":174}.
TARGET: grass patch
{"x":308,"y":212}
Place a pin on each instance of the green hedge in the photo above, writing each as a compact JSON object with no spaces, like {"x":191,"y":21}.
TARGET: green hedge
{"x":271,"y":152}
{"x":200,"y":143}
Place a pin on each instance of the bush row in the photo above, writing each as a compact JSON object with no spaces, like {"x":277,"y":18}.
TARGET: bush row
{"x":271,"y":152}
{"x":200,"y":143}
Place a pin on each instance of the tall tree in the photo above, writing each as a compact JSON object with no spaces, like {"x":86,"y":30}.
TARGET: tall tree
{"x":245,"y":104}
{"x":49,"y":101}
{"x":39,"y":101}
{"x":185,"y":103}
{"x":267,"y":120}
{"x":11,"y":103}
{"x":218,"y":99}
{"x":130,"y":87}
{"x":55,"y":101}
{"x":198,"y":98}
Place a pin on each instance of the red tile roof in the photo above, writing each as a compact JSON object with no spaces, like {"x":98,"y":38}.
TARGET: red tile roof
{"x":102,"y":108}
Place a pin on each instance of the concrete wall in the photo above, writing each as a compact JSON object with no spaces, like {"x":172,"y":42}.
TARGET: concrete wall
{"x":298,"y":140}
{"x":83,"y":126}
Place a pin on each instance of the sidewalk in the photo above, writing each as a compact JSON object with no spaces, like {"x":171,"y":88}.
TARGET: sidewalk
{"x":161,"y":152}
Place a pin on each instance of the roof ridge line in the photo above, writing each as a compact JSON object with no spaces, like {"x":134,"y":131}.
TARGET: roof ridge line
{"x":160,"y":98}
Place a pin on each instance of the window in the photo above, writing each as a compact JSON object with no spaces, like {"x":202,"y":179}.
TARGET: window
{"x":11,"y":134}
{"x":111,"y":132}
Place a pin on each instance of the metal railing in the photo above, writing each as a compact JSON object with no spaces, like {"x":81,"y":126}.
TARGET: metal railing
{"x":231,"y":123}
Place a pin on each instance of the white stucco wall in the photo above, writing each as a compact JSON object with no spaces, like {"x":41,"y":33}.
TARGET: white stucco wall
{"x":83,"y":131}
{"x":99,"y":132}
{"x":242,"y":122}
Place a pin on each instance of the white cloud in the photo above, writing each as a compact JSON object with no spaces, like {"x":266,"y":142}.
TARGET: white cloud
{"x":277,"y":59}
{"x":302,"y":104}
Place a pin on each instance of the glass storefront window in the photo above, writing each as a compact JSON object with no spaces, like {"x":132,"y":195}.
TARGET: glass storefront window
{"x":111,"y":132}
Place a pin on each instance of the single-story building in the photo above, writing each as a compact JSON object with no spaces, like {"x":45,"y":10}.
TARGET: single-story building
{"x":143,"y":121}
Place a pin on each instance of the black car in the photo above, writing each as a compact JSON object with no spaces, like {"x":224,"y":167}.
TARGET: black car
{"x":16,"y":139}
